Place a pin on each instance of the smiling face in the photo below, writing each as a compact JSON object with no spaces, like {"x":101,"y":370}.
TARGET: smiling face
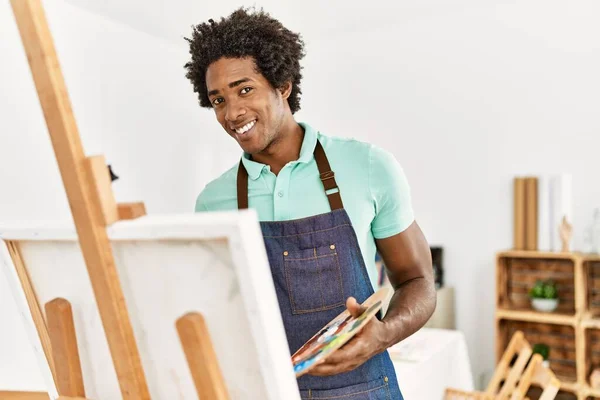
{"x":246,"y":105}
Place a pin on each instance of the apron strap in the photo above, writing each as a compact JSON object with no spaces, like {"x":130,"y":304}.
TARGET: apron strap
{"x":242,"y":187}
{"x":328,"y":178}
{"x":325,"y":173}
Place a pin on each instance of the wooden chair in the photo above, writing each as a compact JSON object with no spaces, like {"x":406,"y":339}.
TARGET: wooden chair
{"x":537,"y":373}
{"x":512,"y":381}
{"x":517,"y":347}
{"x":455,"y":394}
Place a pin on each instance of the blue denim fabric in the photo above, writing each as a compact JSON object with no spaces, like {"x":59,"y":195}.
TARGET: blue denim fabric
{"x":316,"y":265}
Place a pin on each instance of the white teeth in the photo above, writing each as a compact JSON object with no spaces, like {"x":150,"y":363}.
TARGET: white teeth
{"x":246,"y":127}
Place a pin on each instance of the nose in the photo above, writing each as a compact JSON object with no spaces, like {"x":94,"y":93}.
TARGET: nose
{"x":234,"y":110}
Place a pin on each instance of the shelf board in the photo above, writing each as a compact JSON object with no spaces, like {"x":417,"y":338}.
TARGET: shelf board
{"x":534,"y":316}
{"x":591,"y":257}
{"x":537,"y":254}
{"x":550,"y":255}
{"x":591,"y":323}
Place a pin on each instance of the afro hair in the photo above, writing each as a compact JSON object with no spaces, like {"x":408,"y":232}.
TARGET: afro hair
{"x":276,"y":51}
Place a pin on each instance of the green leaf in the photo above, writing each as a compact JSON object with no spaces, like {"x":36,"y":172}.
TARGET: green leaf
{"x":537,"y":291}
{"x":550,"y":291}
{"x":541,"y":349}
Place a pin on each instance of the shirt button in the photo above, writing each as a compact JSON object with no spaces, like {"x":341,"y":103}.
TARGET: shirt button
{"x":280,"y":194}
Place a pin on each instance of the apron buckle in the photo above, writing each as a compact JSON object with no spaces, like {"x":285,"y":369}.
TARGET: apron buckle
{"x":327,"y":175}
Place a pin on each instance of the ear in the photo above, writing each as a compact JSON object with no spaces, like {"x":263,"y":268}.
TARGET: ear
{"x":286,"y":90}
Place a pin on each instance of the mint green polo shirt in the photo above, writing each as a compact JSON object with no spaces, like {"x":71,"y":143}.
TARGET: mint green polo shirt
{"x":373,"y":186}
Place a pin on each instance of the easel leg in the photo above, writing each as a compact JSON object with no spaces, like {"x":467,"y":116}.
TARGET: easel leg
{"x":34,"y":307}
{"x":64,"y":348}
{"x":201,"y":357}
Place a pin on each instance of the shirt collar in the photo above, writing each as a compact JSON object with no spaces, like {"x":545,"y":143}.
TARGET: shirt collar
{"x":306,"y":153}
{"x":252,"y":167}
{"x":308,"y":144}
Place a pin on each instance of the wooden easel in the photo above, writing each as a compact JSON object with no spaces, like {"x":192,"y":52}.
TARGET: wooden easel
{"x":88,"y":186}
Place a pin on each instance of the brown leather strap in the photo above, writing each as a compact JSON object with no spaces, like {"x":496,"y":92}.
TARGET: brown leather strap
{"x":328,"y":178}
{"x":242,"y":187}
{"x":325,"y":173}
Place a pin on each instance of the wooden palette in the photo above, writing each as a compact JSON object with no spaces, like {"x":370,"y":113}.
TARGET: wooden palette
{"x":337,"y":333}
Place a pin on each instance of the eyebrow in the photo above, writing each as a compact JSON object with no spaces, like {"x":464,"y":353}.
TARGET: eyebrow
{"x":231,"y":85}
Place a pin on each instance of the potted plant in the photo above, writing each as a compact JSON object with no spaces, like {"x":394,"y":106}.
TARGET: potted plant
{"x":544,"y":296}
{"x":544,"y":351}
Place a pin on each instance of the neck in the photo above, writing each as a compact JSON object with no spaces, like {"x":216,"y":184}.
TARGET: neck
{"x":285,"y":148}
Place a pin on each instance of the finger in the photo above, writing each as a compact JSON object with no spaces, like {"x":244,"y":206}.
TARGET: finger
{"x":318,"y":368}
{"x":354,"y":308}
{"x":324,"y":369}
{"x":349,"y":351}
{"x":344,"y":359}
{"x":339,"y":356}
{"x":356,"y":353}
{"x":330,"y":369}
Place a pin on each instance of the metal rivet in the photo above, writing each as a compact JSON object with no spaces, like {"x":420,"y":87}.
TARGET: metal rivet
{"x":332,"y":247}
{"x":285,"y":253}
{"x":385,"y":378}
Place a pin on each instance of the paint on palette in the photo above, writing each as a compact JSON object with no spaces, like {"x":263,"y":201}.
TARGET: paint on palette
{"x":336,"y":333}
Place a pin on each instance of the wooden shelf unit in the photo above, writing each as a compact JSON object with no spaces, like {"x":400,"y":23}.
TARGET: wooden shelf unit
{"x":572,"y":332}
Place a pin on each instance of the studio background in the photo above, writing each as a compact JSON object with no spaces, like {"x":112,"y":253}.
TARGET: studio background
{"x":466,"y":95}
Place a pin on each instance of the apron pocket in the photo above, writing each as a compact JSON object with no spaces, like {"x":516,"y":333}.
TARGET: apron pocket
{"x":377,"y":389}
{"x":314,"y":279}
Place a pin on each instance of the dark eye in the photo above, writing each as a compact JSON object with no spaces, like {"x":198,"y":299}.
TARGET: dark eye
{"x":217,"y":101}
{"x":246,"y":90}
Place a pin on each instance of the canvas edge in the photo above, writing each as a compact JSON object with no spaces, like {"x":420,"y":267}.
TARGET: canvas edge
{"x":26,"y":318}
{"x":255,"y":271}
{"x":180,"y":226}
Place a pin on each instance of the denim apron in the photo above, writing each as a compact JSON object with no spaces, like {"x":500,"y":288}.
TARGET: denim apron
{"x":316,"y":265}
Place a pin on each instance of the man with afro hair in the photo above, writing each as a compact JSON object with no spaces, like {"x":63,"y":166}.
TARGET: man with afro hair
{"x":327,"y":205}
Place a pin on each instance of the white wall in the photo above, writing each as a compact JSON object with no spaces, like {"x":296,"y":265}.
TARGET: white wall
{"x":466,"y":100}
{"x":131,"y":103}
{"x":465,"y":96}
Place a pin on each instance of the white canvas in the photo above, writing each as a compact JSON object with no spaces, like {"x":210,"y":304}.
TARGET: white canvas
{"x":212,"y":263}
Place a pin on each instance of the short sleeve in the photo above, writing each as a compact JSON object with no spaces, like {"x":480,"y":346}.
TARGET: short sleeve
{"x":201,"y":205}
{"x":391,"y":193}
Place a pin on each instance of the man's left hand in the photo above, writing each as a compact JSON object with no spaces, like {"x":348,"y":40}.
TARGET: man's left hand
{"x":364,"y":345}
